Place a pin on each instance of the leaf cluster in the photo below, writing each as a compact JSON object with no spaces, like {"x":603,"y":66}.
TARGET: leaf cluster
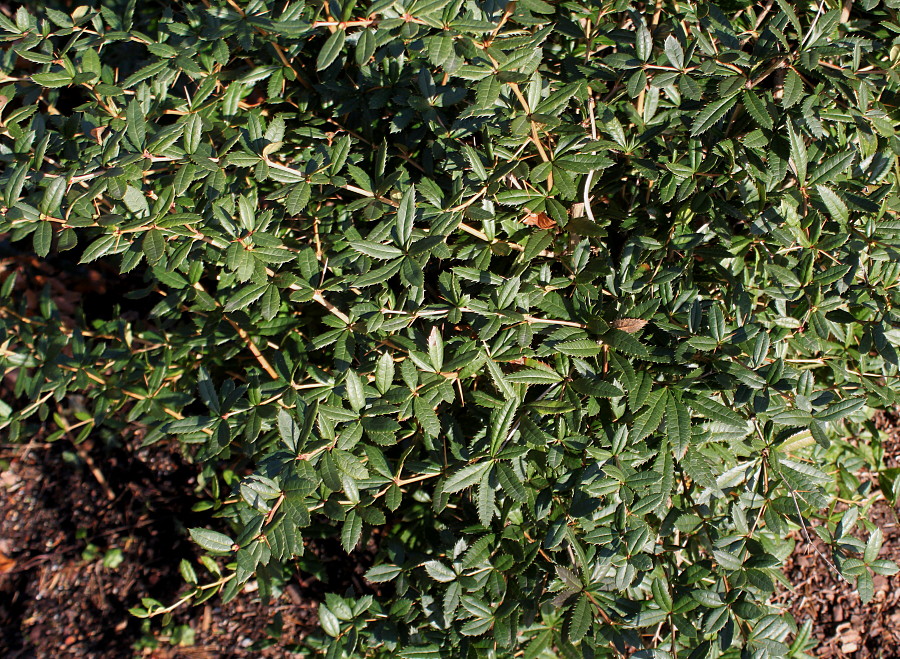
{"x":570,"y":306}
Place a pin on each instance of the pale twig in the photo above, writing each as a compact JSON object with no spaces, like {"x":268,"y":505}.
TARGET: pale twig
{"x":805,"y":530}
{"x":590,"y":175}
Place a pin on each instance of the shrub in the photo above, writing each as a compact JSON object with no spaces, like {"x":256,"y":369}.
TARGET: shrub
{"x":576,"y":304}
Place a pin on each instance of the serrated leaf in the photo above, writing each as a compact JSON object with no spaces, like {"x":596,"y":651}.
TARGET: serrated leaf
{"x":384,"y":372}
{"x":52,"y":79}
{"x":383,"y":573}
{"x":579,"y":619}
{"x":153,"y":245}
{"x":135,"y":124}
{"x":270,"y":302}
{"x":427,"y":417}
{"x":711,"y":409}
{"x":289,"y":430}
{"x":501,"y":422}
{"x":648,"y":421}
{"x":643,"y":40}
{"x":212,"y":540}
{"x":837,"y":411}
{"x":355,"y":394}
{"x":406,"y":213}
{"x":466,"y":477}
{"x":793,"y":89}
{"x":799,"y":158}
{"x":832,"y":167}
{"x":439,"y":572}
{"x":244,"y":297}
{"x":351,"y":531}
{"x":873,"y":545}
{"x":193,"y":129}
{"x":331,"y":49}
{"x":98,"y":248}
{"x":42,"y":238}
{"x":580,"y":348}
{"x":710,"y":114}
{"x":757,"y":109}
{"x":207,"y":391}
{"x":534,"y":376}
{"x":678,"y":425}
{"x":674,"y":52}
{"x":53,"y":196}
{"x":511,"y":484}
{"x":835,"y":205}
{"x":485,"y":498}
{"x":625,"y":343}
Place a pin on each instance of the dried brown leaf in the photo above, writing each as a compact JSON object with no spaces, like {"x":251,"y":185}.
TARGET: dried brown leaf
{"x":630,"y":325}
{"x":540,"y":220}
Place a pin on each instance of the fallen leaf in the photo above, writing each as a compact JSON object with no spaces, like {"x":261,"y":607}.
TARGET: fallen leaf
{"x":540,"y":220}
{"x":630,"y":325}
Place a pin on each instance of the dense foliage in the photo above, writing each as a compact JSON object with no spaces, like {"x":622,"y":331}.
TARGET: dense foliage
{"x":575,"y":303}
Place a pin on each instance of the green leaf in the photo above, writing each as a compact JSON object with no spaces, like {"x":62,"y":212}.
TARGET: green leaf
{"x":625,"y":343}
{"x":873,"y":546}
{"x":193,"y":130}
{"x":406,"y":213}
{"x":439,"y":572}
{"x":53,"y":196}
{"x":98,"y":248}
{"x":832,"y":167}
{"x":501,"y":423}
{"x":678,"y":425}
{"x":135,"y":124}
{"x":351,"y":531}
{"x":580,"y":348}
{"x":270,"y":302}
{"x":710,"y":114}
{"x":511,"y":483}
{"x":793,"y":89}
{"x":714,"y":410}
{"x":535,"y":376}
{"x":840,"y":409}
{"x":466,"y":477}
{"x":383,"y":573}
{"x":835,"y":205}
{"x":355,"y":394}
{"x":674,"y":52}
{"x":331,"y":49}
{"x":153,"y":245}
{"x":799,"y":158}
{"x":648,"y":421}
{"x":579,"y":619}
{"x":757,"y":109}
{"x":212,"y":540}
{"x":244,"y":297}
{"x":485,"y":499}
{"x":43,"y":237}
{"x":53,"y":79}
{"x":643,"y":43}
{"x":384,"y":372}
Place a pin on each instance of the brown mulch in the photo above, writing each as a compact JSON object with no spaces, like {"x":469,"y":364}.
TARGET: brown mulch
{"x":56,"y":600}
{"x":842,"y":624}
{"x":64,"y":507}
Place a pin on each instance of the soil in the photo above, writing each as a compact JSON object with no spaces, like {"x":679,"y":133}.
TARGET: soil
{"x":86,"y":531}
{"x":60,"y":515}
{"x":842,"y":624}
